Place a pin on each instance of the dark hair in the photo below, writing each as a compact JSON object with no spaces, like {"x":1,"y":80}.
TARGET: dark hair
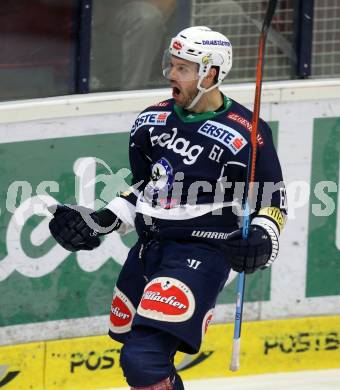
{"x":218,"y":71}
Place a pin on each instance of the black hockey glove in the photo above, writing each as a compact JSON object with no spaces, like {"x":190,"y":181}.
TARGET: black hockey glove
{"x":259,"y":250}
{"x":78,"y":228}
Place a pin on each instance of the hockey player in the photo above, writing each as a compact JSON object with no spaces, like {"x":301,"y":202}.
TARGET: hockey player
{"x":189,"y":160}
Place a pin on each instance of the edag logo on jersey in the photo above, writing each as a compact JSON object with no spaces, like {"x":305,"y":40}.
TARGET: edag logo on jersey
{"x":155,"y":118}
{"x":227,"y":136}
{"x":178,"y":145}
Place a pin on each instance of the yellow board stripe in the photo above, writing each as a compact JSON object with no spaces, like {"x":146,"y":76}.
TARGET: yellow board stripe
{"x":22,"y":366}
{"x":93,"y":362}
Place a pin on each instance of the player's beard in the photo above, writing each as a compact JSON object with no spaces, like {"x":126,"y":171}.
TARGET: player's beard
{"x":183,"y":98}
{"x":191,"y":97}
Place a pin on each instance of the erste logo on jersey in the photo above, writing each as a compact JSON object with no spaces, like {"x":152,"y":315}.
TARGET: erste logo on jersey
{"x":227,"y":136}
{"x":154,"y":118}
{"x":167,"y":299}
{"x":121,"y":313}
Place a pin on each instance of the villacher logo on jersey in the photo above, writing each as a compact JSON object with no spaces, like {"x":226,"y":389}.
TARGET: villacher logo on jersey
{"x":171,"y":300}
{"x":206,"y":321}
{"x":119,"y":314}
{"x":167,"y":299}
{"x":122,"y":313}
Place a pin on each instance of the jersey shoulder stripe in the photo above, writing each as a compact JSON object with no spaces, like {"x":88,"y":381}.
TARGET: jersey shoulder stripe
{"x":240,"y":118}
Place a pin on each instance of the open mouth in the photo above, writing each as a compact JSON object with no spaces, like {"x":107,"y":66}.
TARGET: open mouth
{"x":175,"y":92}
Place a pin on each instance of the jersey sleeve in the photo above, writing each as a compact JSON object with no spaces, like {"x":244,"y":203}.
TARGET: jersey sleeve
{"x":271,"y":193}
{"x":140,"y":163}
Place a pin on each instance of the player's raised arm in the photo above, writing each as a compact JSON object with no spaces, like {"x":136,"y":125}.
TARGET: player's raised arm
{"x":80,"y":228}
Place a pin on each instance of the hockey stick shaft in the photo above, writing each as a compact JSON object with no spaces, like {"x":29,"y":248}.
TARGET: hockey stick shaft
{"x":235,"y":356}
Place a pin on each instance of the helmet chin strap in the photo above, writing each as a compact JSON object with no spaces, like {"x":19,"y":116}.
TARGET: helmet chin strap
{"x":201,"y":92}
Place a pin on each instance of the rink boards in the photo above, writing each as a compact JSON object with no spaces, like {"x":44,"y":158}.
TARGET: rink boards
{"x":74,"y":150}
{"x":93,"y":362}
{"x":49,"y":294}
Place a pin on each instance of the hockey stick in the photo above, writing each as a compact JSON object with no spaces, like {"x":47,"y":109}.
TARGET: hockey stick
{"x":235,"y":355}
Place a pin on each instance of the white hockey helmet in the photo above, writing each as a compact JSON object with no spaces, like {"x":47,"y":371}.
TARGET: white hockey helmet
{"x":207,"y":48}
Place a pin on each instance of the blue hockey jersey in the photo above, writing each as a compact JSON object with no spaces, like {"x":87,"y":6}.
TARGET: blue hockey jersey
{"x":191,"y":169}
